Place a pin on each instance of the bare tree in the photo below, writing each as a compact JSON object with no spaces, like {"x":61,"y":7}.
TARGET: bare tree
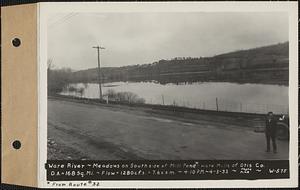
{"x":49,"y":64}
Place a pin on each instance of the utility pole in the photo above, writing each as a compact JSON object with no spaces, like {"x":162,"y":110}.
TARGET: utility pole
{"x":99,"y":74}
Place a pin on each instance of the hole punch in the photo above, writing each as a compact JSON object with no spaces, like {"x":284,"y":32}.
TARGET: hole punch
{"x":16,"y":42}
{"x":16,"y":144}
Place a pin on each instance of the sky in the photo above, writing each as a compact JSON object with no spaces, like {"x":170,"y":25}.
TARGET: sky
{"x":142,"y":38}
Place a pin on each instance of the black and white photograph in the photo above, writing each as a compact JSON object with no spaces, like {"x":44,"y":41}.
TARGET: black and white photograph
{"x":168,"y":86}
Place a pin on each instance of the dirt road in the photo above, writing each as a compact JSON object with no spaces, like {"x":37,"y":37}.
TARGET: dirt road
{"x":84,"y":131}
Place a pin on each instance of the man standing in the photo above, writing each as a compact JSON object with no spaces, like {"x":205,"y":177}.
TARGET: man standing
{"x":271,"y":128}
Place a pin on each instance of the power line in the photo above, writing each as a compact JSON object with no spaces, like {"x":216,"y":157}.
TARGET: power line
{"x":60,"y":19}
{"x":63,"y":20}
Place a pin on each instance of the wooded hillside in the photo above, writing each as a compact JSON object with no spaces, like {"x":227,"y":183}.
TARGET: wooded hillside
{"x":267,"y":64}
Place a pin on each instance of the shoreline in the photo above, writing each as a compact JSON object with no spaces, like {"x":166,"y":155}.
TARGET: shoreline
{"x":279,"y":83}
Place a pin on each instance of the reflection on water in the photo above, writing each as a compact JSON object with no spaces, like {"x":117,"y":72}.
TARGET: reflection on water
{"x":251,"y":98}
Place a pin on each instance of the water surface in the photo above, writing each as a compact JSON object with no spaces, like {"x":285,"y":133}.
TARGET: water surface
{"x":225,"y":96}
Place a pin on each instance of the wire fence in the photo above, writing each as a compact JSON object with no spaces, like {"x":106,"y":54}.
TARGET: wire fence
{"x":220,"y":104}
{"x":209,"y":103}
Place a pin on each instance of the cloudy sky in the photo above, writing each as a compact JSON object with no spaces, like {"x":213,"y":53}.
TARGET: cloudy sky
{"x":139,"y":38}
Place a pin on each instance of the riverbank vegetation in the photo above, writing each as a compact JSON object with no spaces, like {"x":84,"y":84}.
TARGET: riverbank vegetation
{"x":128,"y":97}
{"x":57,"y":79}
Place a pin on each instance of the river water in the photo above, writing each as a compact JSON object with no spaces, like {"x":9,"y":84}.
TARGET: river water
{"x":223,"y":96}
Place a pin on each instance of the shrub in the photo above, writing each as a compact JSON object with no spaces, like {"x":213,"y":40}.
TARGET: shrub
{"x":128,"y":97}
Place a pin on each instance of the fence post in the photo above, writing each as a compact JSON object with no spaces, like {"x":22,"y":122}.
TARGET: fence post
{"x":174,"y":105}
{"x":217,"y":104}
{"x":163,"y":99}
{"x":241,"y":107}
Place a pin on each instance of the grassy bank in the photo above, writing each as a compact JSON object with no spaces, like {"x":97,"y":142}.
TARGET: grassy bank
{"x":182,"y":113}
